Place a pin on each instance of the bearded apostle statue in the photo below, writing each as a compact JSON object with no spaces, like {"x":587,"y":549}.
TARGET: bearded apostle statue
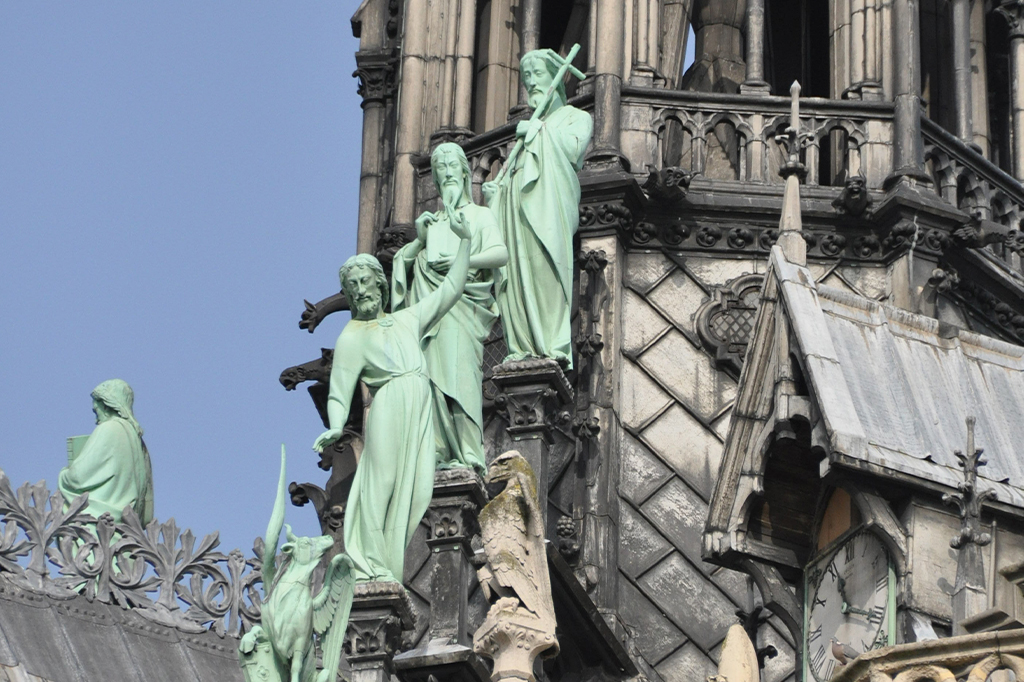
{"x":536,"y":202}
{"x":394,"y":479}
{"x":112,"y":464}
{"x":454,"y":347}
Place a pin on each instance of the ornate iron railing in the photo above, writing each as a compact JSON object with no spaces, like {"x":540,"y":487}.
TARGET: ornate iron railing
{"x":970,"y":658}
{"x":159,"y":572}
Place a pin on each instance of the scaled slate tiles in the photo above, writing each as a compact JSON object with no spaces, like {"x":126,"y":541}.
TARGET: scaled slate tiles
{"x":686,"y":665}
{"x":640,"y":545}
{"x":654,"y":635}
{"x":693,"y":602}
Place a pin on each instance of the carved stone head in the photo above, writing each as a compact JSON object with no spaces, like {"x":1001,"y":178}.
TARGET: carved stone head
{"x":450,"y":169}
{"x":115,"y":397}
{"x":537,"y":69}
{"x":365,"y":286}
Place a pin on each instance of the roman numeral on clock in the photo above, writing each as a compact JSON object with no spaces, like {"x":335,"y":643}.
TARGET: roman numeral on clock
{"x":876,"y":615}
{"x":815,"y":634}
{"x":819,"y":657}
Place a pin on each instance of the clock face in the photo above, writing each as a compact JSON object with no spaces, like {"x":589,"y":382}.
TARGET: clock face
{"x":848,"y":599}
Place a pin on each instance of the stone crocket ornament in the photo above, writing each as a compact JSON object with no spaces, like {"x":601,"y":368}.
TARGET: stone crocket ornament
{"x":280,"y":649}
{"x":521,"y":621}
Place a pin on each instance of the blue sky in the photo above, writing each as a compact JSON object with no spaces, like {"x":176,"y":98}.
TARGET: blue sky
{"x":174,"y":179}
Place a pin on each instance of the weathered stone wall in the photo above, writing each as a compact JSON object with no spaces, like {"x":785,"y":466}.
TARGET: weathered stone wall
{"x":674,"y":412}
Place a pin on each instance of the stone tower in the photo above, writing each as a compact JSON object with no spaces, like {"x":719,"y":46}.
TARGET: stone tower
{"x":910,"y":152}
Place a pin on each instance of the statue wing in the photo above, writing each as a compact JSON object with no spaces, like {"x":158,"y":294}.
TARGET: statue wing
{"x":514,"y":564}
{"x":331,"y":608}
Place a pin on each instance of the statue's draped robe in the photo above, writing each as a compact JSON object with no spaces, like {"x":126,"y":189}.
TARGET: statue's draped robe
{"x":114,"y":468}
{"x":454,"y":347}
{"x":394,"y":480}
{"x":538,"y":211}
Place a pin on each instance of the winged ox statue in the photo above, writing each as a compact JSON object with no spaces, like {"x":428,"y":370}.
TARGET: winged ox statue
{"x":281,"y":649}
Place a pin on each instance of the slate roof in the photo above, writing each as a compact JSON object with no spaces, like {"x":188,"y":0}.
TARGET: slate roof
{"x":894,"y":388}
{"x":43,"y":638}
{"x":890,"y":390}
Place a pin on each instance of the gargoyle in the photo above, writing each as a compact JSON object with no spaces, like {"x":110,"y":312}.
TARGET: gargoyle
{"x":668,"y":184}
{"x":979,"y":232}
{"x":854,"y":200}
{"x":291,"y":613}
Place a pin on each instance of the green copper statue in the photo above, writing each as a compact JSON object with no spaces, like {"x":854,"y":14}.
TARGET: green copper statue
{"x":454,"y":348}
{"x":537,"y":206}
{"x":394,"y":480}
{"x":280,"y":648}
{"x":112,"y":464}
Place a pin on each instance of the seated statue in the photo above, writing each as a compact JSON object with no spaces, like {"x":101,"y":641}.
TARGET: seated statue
{"x":454,"y":348}
{"x":113,"y":464}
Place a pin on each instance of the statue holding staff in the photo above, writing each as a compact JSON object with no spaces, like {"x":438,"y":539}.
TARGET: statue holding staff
{"x":454,"y":347}
{"x":536,"y":202}
{"x":394,"y":479}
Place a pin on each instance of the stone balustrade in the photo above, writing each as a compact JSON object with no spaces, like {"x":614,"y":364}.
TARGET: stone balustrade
{"x":969,"y":658}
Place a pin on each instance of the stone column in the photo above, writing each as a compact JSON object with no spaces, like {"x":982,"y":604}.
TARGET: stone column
{"x":979,"y":77}
{"x":645,"y":59}
{"x":754,"y":83}
{"x":960,"y":11}
{"x":529,"y":41}
{"x":452,"y":517}
{"x":380,"y":612}
{"x":376,"y":74}
{"x":464,"y":64}
{"x":410,"y":112}
{"x":609,"y":67}
{"x":1014,"y":13}
{"x":452,"y":520}
{"x":908,"y":152}
{"x":533,"y":394}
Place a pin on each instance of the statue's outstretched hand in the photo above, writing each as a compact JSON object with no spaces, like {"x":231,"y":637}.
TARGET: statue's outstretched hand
{"x":460,"y":225}
{"x":326,"y":439}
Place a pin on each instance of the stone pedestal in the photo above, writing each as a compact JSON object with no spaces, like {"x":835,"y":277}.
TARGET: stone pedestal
{"x":534,"y":396}
{"x":514,"y":637}
{"x":380,"y":612}
{"x":452,"y":520}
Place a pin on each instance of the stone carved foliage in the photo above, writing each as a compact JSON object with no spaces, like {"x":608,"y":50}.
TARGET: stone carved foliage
{"x":375,"y":73}
{"x":968,"y":499}
{"x":157,"y":570}
{"x":725,"y":322}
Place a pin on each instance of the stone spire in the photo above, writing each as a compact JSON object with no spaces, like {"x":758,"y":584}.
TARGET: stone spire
{"x":791,"y":238}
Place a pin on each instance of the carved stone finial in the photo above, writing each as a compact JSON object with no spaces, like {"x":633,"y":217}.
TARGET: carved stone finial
{"x":969,"y":596}
{"x":520,"y":624}
{"x":791,"y":239}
